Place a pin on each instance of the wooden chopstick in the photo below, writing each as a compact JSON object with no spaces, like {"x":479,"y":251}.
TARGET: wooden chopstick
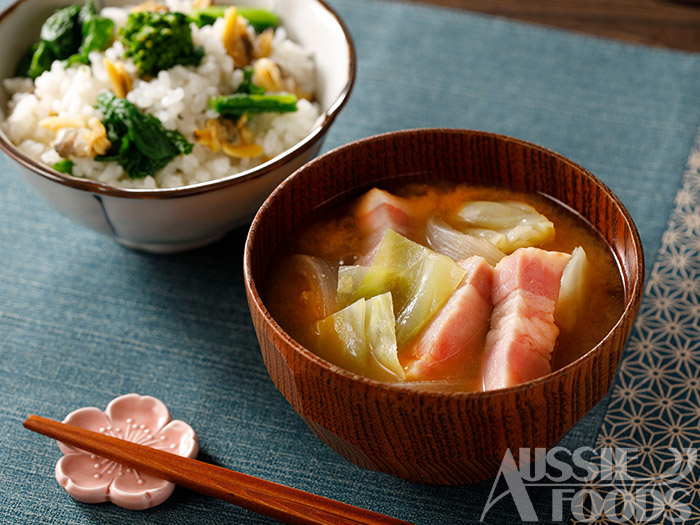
{"x":264,"y":497}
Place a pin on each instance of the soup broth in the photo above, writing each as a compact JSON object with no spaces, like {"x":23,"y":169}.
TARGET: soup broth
{"x":335,"y":237}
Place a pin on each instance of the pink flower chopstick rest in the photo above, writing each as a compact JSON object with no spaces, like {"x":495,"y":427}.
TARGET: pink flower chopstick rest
{"x":140,"y":419}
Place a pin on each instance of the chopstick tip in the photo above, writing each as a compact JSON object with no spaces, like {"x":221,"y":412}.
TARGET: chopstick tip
{"x":31,"y":422}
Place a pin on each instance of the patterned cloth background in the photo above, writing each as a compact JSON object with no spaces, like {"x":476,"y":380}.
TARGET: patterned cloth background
{"x":83,"y":320}
{"x":654,"y":407}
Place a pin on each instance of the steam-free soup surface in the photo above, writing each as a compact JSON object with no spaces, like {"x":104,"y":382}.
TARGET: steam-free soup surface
{"x":302,"y":291}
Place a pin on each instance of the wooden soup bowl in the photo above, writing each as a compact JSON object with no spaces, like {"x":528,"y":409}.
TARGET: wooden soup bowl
{"x":443,"y":438}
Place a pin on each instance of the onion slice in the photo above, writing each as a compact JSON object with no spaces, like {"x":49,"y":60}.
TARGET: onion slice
{"x":457,"y":245}
{"x":320,"y":278}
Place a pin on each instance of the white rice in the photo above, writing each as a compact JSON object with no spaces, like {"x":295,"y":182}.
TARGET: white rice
{"x":177,"y":97}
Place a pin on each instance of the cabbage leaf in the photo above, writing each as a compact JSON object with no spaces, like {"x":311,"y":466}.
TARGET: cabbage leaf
{"x":419,"y":279}
{"x":349,"y":278}
{"x":573,"y":290}
{"x":361,"y":338}
{"x":507,"y":224}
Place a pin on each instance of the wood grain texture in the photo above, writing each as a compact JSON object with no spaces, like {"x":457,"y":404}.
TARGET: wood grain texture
{"x":418,"y":435}
{"x":663,"y":23}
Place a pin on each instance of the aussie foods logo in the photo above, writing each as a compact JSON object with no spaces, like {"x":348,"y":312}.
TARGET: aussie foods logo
{"x":592,"y":485}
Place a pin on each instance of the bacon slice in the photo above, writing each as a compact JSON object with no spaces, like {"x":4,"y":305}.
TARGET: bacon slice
{"x":379,"y":211}
{"x":523,"y":333}
{"x":452,"y":343}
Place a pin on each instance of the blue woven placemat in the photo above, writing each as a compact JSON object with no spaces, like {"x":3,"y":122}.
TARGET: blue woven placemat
{"x":83,"y":319}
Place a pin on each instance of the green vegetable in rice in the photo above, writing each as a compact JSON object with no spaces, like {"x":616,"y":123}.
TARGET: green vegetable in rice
{"x":260,"y":19}
{"x":233,"y":106}
{"x":70,"y":33}
{"x":97,"y":33}
{"x":140,"y":143}
{"x":25,"y":62}
{"x":64,"y":166}
{"x":247,"y":87}
{"x":60,"y":37}
{"x":61,"y":32}
{"x":157,"y":41}
{"x":39,"y":61}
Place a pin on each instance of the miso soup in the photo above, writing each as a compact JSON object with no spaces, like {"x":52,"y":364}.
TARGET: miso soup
{"x":461,"y":287}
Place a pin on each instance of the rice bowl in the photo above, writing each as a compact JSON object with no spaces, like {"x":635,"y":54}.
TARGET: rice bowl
{"x":166,"y":217}
{"x":177,"y":97}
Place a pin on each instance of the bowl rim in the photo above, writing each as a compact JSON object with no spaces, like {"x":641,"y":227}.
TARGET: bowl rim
{"x":396,"y":389}
{"x":101,"y":188}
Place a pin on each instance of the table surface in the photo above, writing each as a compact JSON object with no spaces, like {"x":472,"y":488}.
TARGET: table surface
{"x":83,"y":320}
{"x":664,"y":23}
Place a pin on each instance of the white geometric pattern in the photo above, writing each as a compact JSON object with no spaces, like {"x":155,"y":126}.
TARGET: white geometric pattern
{"x":654,"y":406}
